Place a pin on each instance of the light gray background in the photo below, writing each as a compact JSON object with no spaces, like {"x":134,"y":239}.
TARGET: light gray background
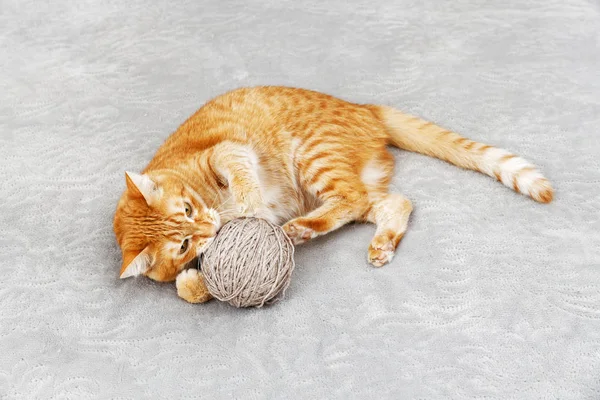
{"x":490,"y":295}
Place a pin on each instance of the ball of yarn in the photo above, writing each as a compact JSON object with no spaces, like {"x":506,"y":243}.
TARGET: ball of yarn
{"x":249,"y":263}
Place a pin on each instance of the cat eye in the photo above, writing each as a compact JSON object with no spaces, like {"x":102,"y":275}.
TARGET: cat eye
{"x":188,"y":210}
{"x":184,"y":246}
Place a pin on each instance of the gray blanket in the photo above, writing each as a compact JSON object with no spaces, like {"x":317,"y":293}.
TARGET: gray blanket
{"x":491,"y":295}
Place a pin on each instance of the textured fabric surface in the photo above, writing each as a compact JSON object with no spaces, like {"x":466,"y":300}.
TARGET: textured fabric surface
{"x":490,"y":294}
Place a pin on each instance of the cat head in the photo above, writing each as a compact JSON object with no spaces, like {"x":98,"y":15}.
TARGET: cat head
{"x":161,"y":225}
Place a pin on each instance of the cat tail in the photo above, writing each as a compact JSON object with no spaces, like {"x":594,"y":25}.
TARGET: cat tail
{"x":414,"y":134}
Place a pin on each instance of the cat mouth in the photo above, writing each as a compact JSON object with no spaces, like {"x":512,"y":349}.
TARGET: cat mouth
{"x":202,"y":248}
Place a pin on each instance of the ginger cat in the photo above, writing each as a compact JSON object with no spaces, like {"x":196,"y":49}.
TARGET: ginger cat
{"x":296,"y":157}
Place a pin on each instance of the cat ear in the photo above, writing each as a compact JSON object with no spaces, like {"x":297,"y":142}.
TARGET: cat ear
{"x":142,"y":186}
{"x":135,"y":263}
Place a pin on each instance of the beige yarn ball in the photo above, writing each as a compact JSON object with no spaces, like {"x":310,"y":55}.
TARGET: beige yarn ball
{"x":249,"y":264}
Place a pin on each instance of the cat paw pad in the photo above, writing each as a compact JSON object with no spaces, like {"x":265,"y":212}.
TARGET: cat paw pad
{"x":381,"y":253}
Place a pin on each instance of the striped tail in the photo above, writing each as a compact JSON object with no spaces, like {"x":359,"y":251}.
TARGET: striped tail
{"x":414,"y":134}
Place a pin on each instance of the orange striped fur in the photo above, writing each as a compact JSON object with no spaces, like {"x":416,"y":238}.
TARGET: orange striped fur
{"x":296,"y":157}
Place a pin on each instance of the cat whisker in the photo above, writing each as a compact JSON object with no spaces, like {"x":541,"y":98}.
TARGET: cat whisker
{"x":214,"y":200}
{"x":227,"y":214}
{"x":223,"y":203}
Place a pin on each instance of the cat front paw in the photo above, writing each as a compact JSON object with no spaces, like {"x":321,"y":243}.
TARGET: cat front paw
{"x":381,"y":252}
{"x":250,"y":205}
{"x":190,"y":286}
{"x":298,"y":233}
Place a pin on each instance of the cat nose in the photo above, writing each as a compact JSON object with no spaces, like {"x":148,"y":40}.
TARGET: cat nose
{"x":206,"y":230}
{"x":213,"y":230}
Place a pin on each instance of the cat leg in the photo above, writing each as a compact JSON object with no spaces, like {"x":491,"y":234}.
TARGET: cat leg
{"x":342,"y":203}
{"x":390,"y":212}
{"x":238,"y":165}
